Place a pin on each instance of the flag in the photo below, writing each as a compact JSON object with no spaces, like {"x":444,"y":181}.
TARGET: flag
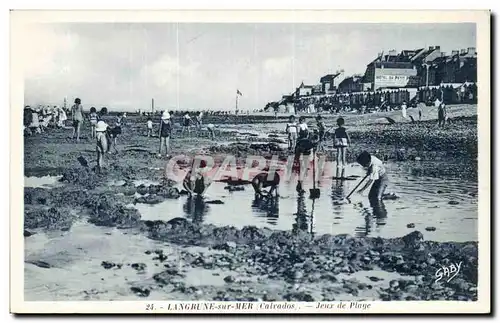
{"x":238,"y":92}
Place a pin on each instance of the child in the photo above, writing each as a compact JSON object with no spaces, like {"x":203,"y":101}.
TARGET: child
{"x":165,"y":131}
{"x":303,"y":130}
{"x":77,"y":117}
{"x":198,"y":121}
{"x":304,"y":147}
{"x":186,"y":124}
{"x":93,"y":122}
{"x":263,"y":180}
{"x":321,"y":131}
{"x":102,"y":144}
{"x":291,"y":130}
{"x":150,"y":127}
{"x":196,"y":182}
{"x":377,"y":175}
{"x":442,"y":114}
{"x":341,"y":141}
{"x":211,"y":130}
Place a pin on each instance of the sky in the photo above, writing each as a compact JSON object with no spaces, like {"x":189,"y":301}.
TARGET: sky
{"x":198,"y":66}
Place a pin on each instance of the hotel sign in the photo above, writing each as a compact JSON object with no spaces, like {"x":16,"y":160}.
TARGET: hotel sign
{"x":391,"y":80}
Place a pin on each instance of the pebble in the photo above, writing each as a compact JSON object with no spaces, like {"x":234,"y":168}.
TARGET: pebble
{"x":453,"y":202}
{"x":430,"y":229}
{"x":138,"y":266}
{"x":394,"y":284}
{"x":27,"y":233}
{"x":142,"y":292}
{"x":229,"y":279}
{"x":410,"y":225}
{"x":374,"y":279}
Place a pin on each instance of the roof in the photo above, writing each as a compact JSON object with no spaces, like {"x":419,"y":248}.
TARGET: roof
{"x":329,"y":77}
{"x":406,"y":65}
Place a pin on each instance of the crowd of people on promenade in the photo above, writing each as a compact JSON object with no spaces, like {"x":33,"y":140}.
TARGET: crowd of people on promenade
{"x":384,"y":100}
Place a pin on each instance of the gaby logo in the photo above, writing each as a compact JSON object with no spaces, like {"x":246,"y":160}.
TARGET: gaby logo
{"x":448,"y":272}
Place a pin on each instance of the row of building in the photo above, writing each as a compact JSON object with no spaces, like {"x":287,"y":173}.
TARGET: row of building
{"x":418,"y":68}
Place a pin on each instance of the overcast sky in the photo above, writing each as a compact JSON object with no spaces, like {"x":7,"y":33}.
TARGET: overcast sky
{"x":200,"y":66}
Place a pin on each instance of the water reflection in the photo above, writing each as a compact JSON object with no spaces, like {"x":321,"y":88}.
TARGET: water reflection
{"x":195,"y":209}
{"x":303,"y":221}
{"x":268,"y":207}
{"x":374,"y":216}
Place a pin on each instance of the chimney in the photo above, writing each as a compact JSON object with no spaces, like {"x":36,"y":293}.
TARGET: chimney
{"x":463,"y":51}
{"x":454,"y":52}
{"x":471,"y":50}
{"x":438,"y":47}
{"x":431,"y":47}
{"x":392,"y":52}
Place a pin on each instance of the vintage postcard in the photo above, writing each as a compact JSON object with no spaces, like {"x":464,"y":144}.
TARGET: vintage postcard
{"x":250,"y":162}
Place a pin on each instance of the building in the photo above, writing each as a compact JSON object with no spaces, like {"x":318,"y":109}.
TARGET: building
{"x":304,"y":90}
{"x":351,"y":84}
{"x":328,"y":83}
{"x":387,"y":72}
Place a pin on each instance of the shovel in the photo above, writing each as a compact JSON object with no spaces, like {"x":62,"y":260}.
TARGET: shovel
{"x":314,"y":192}
{"x":352,"y":192}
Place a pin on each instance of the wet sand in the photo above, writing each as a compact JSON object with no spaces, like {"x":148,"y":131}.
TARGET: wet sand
{"x":87,"y":231}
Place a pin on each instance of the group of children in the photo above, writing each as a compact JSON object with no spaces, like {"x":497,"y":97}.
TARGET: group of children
{"x":300,"y":139}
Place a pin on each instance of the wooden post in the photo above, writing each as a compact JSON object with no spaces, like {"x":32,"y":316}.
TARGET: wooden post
{"x":152,"y":106}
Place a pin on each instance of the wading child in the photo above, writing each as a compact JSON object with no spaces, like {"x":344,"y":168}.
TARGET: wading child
{"x":165,"y":132}
{"x":291,"y":130}
{"x":150,"y":127}
{"x":196,"y":182}
{"x":303,"y":149}
{"x":321,"y":131}
{"x":376,"y":175}
{"x":102,"y":143}
{"x":264,"y":180}
{"x":341,"y":141}
{"x":93,"y":122}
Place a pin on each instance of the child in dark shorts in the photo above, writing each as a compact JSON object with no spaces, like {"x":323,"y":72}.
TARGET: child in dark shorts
{"x":165,"y":131}
{"x":341,"y":141}
{"x":377,"y":176}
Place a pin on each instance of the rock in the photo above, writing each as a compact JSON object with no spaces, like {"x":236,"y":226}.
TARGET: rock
{"x":138,"y":266}
{"x":374,"y":279}
{"x":413,"y":239}
{"x":40,"y":263}
{"x":299,"y":297}
{"x":430,"y":229}
{"x":393,"y":284}
{"x":214,"y":202}
{"x":229,"y":279}
{"x":410,"y":225}
{"x":439,"y":192}
{"x":453,"y":202}
{"x":27,"y":233}
{"x":142,"y":292}
{"x":108,"y":264}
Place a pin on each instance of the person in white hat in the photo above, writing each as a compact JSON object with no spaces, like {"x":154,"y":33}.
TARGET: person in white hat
{"x":102,"y":144}
{"x":165,"y":132}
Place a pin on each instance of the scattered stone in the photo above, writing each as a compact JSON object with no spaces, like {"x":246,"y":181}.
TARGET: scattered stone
{"x":214,"y":202}
{"x":40,"y":263}
{"x":138,"y":266}
{"x":108,"y":264}
{"x":430,"y":228}
{"x":27,"y":233}
{"x":229,"y":279}
{"x":453,"y":202}
{"x":374,"y":279}
{"x":142,"y":292}
{"x":410,"y":225}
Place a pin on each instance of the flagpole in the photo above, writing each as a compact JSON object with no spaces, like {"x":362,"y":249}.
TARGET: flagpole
{"x":236,"y":103}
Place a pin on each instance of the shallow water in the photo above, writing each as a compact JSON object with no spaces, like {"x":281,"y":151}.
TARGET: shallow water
{"x":423,"y":201}
{"x":42,"y":182}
